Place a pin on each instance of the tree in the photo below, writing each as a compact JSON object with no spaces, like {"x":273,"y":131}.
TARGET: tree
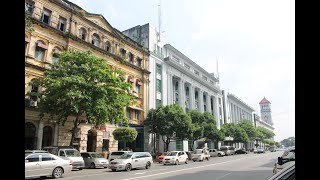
{"x":125,"y":134}
{"x":240,"y":135}
{"x":211,"y":132}
{"x":171,"y":122}
{"x":151,"y":123}
{"x":249,"y":128}
{"x":197,"y":119}
{"x":80,"y":84}
{"x":288,"y":142}
{"x":229,"y":129}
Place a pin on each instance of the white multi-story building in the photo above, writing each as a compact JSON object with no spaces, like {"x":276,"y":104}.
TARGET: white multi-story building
{"x":176,"y":79}
{"x":235,"y":111}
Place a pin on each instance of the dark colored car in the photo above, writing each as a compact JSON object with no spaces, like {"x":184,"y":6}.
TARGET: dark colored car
{"x":241,"y":151}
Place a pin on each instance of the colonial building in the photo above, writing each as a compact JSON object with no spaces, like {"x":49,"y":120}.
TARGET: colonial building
{"x":150,"y":38}
{"x":61,"y":25}
{"x":235,"y":111}
{"x":265,"y":110}
{"x":176,"y":79}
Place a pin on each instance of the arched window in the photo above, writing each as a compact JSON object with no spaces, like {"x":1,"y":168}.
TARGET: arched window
{"x":34,"y":90}
{"x":29,"y":135}
{"x":82,"y":33}
{"x":107,"y":46}
{"x":176,"y":86}
{"x":130,"y":57}
{"x":40,"y":51}
{"x":139,"y":61}
{"x":55,"y":54}
{"x":95,"y":40}
{"x":47,"y":136}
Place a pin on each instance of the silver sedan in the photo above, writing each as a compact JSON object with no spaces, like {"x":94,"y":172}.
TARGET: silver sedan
{"x":46,"y":164}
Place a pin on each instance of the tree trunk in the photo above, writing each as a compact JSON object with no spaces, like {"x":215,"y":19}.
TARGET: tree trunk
{"x":167,"y":143}
{"x":75,"y":126}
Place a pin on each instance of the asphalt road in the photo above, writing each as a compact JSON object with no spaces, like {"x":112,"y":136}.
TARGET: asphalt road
{"x":236,"y":167}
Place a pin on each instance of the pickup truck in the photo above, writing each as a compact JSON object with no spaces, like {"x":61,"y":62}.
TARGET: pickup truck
{"x":200,"y":155}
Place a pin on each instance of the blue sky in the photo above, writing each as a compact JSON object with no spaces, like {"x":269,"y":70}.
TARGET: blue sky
{"x":253,"y":41}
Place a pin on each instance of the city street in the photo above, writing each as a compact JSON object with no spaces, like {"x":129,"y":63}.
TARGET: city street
{"x":237,"y":167}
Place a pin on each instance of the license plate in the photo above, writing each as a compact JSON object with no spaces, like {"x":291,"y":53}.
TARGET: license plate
{"x":167,"y":161}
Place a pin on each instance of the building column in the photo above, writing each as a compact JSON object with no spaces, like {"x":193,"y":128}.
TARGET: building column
{"x":192,"y":100}
{"x":209,"y":103}
{"x":217,"y":112}
{"x":182,"y":94}
{"x":200,"y":100}
{"x":89,"y":38}
{"x":72,"y":27}
{"x":170,"y":90}
{"x":56,"y":134}
{"x":40,"y":135}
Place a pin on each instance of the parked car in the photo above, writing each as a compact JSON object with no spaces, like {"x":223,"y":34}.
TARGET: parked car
{"x":287,"y":173}
{"x":116,"y":154}
{"x":287,"y":158}
{"x":69,"y":153}
{"x":94,"y":159}
{"x":46,"y":164}
{"x":160,"y":158}
{"x":273,"y":148}
{"x":200,"y":155}
{"x":34,"y":151}
{"x":260,"y":150}
{"x":131,"y":160}
{"x":228,"y":150}
{"x":241,"y":151}
{"x":215,"y":152}
{"x":175,"y":157}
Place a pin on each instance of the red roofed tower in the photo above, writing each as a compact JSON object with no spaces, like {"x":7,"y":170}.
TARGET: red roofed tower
{"x":265,"y":109}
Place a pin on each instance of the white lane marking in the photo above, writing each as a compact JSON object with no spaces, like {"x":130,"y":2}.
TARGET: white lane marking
{"x":185,"y":169}
{"x":141,"y":173}
{"x":223,"y":176}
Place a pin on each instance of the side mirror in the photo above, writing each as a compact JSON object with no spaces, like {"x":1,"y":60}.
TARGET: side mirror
{"x":280,"y":160}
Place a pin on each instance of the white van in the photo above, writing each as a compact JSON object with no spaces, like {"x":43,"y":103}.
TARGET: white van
{"x":132,"y":160}
{"x":68,"y":153}
{"x":228,"y":150}
{"x":116,"y":154}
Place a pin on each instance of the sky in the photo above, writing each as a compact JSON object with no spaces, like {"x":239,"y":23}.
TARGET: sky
{"x":252,"y":40}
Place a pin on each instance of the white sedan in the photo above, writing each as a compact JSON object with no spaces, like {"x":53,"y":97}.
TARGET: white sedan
{"x":175,"y":157}
{"x":46,"y":164}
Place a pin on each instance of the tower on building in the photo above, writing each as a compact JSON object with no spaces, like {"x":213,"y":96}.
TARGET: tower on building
{"x":265,"y":109}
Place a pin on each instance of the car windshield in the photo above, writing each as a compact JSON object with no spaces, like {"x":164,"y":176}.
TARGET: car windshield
{"x":197,"y":151}
{"x":172,"y":153}
{"x":125,"y":156}
{"x":72,"y":153}
{"x":96,"y":155}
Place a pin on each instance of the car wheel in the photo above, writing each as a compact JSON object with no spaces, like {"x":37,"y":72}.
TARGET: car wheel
{"x":194,"y":160}
{"x":177,"y":162}
{"x":92,"y":166}
{"x":148,"y":165}
{"x":114,"y":170}
{"x":80,"y":169}
{"x":208,"y":159}
{"x":57,"y":172}
{"x":186,"y":161}
{"x":128,"y":167}
{"x":219,"y":155}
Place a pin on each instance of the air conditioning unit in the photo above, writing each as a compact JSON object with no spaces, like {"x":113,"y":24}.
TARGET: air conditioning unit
{"x":33,"y":103}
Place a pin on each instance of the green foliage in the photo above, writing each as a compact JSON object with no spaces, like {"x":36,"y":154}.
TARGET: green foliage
{"x":264,"y":133}
{"x":211,"y":132}
{"x":125,"y":134}
{"x":240,"y":135}
{"x":28,"y":22}
{"x":169,"y":121}
{"x":82,"y":84}
{"x":291,"y":141}
{"x":249,"y":128}
{"x":229,"y":129}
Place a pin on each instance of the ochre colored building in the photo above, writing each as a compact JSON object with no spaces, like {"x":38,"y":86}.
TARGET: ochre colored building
{"x":61,"y":25}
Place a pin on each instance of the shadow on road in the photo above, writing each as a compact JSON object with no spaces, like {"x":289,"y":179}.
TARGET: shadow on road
{"x":224,"y":175}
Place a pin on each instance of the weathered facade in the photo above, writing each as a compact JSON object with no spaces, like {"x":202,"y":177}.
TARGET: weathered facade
{"x":61,"y":25}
